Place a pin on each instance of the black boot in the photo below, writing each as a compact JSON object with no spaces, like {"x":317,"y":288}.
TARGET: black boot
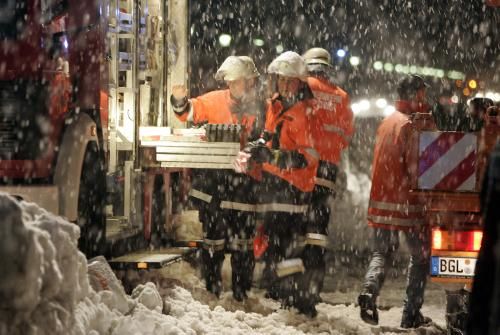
{"x":242,"y":272}
{"x":414,"y":319}
{"x":212,"y":271}
{"x":368,"y":308}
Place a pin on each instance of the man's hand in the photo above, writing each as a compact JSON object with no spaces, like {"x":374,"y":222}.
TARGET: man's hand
{"x":259,"y":152}
{"x":179,"y":92}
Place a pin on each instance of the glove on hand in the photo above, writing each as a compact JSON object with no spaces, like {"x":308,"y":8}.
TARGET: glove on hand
{"x":259,"y":152}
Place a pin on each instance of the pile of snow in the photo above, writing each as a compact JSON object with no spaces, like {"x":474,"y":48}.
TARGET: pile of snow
{"x":47,"y":287}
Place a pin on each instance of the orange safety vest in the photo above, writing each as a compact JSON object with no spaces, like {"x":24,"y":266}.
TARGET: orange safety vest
{"x":391,"y":206}
{"x":216,"y":107}
{"x":290,"y":129}
{"x":331,"y":120}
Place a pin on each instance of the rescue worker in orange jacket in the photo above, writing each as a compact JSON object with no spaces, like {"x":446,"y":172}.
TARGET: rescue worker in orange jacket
{"x":225,"y":199}
{"x":392,"y":210}
{"x":289,"y":166}
{"x":331,"y":129}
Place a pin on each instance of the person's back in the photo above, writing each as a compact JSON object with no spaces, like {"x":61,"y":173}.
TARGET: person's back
{"x":391,"y":210}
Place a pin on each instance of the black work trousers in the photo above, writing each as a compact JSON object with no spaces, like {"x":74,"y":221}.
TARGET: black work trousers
{"x":227,"y":215}
{"x":288,"y":261}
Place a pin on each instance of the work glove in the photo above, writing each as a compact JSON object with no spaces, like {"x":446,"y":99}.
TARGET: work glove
{"x":259,"y":152}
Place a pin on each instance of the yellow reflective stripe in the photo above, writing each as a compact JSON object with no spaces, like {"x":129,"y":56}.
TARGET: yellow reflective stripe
{"x":391,"y":206}
{"x":276,"y":207}
{"x":213,"y":244}
{"x":200,"y":195}
{"x":239,"y":206}
{"x":325,"y":182}
{"x":241,"y":244}
{"x":312,"y":152}
{"x":395,"y":221}
{"x":190,"y":116}
{"x":333,"y":129}
{"x":289,"y":267}
{"x":316,"y":239}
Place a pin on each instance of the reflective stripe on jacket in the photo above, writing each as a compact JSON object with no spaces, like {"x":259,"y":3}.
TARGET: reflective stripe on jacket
{"x":290,"y":131}
{"x":331,"y":119}
{"x":390,"y":204}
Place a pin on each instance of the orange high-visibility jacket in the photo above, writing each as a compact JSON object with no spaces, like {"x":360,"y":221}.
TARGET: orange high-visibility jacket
{"x":390,"y":205}
{"x":331,"y":120}
{"x":215,"y":107}
{"x":290,"y":129}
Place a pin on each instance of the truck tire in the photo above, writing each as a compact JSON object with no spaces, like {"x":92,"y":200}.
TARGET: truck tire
{"x":91,"y":203}
{"x":158,"y":213}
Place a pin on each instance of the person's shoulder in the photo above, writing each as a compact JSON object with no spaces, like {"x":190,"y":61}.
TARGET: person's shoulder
{"x":216,"y":93}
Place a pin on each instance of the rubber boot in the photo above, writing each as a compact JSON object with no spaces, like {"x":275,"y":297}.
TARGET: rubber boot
{"x":212,"y":262}
{"x":368,"y":308}
{"x":414,"y":319}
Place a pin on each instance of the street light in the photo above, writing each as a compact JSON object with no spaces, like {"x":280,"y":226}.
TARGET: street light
{"x":224,"y":40}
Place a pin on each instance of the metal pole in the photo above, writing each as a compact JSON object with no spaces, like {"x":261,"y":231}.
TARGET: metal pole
{"x":137,"y":96}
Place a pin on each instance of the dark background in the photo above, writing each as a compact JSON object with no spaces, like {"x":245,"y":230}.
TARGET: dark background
{"x":450,"y":35}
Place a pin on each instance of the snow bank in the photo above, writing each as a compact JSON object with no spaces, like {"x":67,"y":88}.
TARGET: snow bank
{"x":46,"y":287}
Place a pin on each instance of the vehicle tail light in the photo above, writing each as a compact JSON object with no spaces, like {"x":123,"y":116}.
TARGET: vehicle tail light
{"x":437,"y":239}
{"x":466,"y":240}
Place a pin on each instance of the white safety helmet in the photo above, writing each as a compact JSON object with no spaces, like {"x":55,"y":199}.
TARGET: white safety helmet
{"x":289,"y":64}
{"x":317,"y":56}
{"x":237,"y":67}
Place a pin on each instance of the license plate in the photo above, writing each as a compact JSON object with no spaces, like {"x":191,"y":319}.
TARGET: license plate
{"x":452,"y":267}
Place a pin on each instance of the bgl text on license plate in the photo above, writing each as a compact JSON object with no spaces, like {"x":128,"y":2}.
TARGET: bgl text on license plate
{"x":452,"y":267}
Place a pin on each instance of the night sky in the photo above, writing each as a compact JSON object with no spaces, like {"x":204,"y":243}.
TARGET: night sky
{"x":450,"y":35}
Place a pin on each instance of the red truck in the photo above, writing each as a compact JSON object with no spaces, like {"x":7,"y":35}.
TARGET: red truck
{"x":79,"y":81}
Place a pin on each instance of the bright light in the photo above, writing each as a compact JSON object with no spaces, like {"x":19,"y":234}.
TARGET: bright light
{"x":413,"y":69}
{"x":388,"y":67}
{"x":354,"y":60}
{"x":389,"y":110}
{"x":381,"y":103}
{"x":355,"y":108}
{"x":490,"y":95}
{"x":398,"y":68}
{"x":364,"y":105}
{"x":440,"y":73}
{"x":454,"y":99}
{"x":456,"y":75}
{"x":225,"y":40}
{"x":341,"y":53}
{"x":472,"y":84}
{"x":378,"y":65}
{"x":279,"y":48}
{"x":479,"y":95}
{"x":478,"y":237}
{"x":65,"y":43}
{"x":496,"y":96}
{"x":437,"y":239}
{"x":258,"y":42}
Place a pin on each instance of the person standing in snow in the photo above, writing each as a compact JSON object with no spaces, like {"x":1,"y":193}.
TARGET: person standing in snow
{"x":391,"y":209}
{"x":226,"y":199}
{"x":289,"y":164}
{"x":331,"y":129}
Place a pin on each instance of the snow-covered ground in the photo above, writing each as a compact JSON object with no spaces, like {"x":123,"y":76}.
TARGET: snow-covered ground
{"x":47,"y":287}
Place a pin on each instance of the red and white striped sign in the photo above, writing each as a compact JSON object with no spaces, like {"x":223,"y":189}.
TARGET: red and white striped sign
{"x":447,"y":161}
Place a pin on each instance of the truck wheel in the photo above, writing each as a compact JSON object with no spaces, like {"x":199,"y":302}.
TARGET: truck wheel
{"x":158,"y":213}
{"x":91,"y":203}
{"x":457,"y":304}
